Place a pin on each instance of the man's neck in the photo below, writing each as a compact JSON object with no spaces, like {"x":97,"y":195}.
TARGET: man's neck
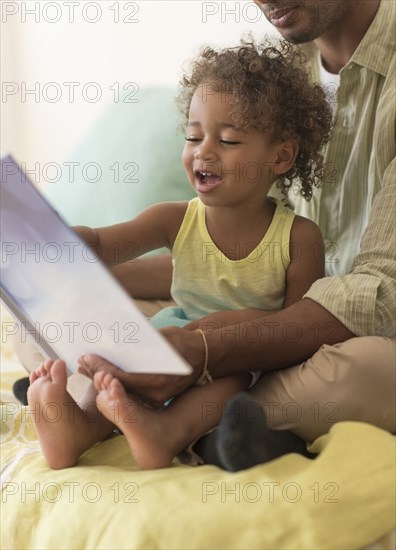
{"x":338,"y":44}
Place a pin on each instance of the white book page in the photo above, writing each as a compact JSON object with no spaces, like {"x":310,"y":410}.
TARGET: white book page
{"x":66,"y":292}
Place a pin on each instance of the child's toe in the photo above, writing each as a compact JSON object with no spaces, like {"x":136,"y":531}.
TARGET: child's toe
{"x":107,"y":379}
{"x":58,"y":372}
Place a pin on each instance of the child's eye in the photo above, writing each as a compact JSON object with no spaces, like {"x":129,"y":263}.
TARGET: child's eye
{"x":229,"y":142}
{"x":192,"y":139}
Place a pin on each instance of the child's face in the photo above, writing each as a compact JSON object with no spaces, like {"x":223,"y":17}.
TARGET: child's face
{"x":225,"y":166}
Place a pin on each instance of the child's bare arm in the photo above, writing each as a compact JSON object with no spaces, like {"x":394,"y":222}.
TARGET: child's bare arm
{"x":155,"y":227}
{"x":306,"y":259}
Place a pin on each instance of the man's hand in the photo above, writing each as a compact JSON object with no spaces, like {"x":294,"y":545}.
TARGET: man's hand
{"x":155,"y":389}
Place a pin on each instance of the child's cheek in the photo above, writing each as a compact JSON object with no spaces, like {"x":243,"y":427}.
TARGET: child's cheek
{"x":187,"y":158}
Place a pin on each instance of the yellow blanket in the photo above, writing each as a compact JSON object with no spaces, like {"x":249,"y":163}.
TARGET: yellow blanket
{"x":343,"y":499}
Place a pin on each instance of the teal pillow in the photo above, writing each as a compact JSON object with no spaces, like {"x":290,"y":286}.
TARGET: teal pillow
{"x":130,"y":159}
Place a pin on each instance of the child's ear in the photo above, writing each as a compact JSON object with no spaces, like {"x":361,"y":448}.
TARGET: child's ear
{"x":286,"y":156}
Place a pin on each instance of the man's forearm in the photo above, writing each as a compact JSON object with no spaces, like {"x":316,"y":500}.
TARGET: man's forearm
{"x":146,"y":278}
{"x":283,"y":339}
{"x":220,"y":319}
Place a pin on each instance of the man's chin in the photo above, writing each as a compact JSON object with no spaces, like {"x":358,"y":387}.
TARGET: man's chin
{"x":298,"y":31}
{"x":298,"y":37}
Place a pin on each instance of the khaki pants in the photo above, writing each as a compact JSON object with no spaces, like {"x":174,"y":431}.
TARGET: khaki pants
{"x":354,"y":380}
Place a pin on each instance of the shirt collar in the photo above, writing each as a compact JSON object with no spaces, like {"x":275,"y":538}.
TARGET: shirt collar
{"x":377,"y":47}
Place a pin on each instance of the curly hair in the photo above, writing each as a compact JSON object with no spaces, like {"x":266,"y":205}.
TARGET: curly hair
{"x":269,"y":90}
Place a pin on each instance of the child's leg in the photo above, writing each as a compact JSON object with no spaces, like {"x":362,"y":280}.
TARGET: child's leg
{"x":156,"y":436}
{"x":64,"y":430}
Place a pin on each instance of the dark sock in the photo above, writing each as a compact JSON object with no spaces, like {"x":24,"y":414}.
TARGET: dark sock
{"x":245,"y":440}
{"x":206,"y":448}
{"x":20,"y":388}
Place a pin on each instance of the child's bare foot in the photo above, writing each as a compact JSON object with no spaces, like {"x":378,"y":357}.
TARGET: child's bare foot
{"x":63,"y":429}
{"x":42,"y":370}
{"x":151,"y":444}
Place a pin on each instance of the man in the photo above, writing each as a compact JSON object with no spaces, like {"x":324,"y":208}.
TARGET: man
{"x":315,"y":371}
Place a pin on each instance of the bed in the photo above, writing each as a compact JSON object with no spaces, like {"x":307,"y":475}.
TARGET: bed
{"x":343,"y":499}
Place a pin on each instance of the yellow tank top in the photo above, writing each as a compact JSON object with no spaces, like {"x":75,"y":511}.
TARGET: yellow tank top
{"x":205,"y":280}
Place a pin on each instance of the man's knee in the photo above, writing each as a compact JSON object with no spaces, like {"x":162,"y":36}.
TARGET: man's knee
{"x":366,"y":364}
{"x":353,"y":380}
{"x":369,"y":353}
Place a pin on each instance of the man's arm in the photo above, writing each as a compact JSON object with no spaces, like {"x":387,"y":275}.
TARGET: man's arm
{"x":276,"y":341}
{"x":147,"y":278}
{"x":279,"y":340}
{"x":364,"y":300}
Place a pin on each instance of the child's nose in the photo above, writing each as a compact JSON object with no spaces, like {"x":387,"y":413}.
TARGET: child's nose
{"x":205,"y":151}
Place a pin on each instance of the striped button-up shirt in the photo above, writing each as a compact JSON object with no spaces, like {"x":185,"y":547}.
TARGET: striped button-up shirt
{"x":356,"y":207}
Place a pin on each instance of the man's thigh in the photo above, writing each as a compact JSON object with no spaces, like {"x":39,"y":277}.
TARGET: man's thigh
{"x":353,"y":380}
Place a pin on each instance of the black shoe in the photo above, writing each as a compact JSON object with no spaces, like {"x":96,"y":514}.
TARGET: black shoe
{"x":20,"y":389}
{"x":244,"y":439}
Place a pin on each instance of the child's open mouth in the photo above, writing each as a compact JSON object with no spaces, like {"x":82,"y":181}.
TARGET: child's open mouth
{"x":207,"y":181}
